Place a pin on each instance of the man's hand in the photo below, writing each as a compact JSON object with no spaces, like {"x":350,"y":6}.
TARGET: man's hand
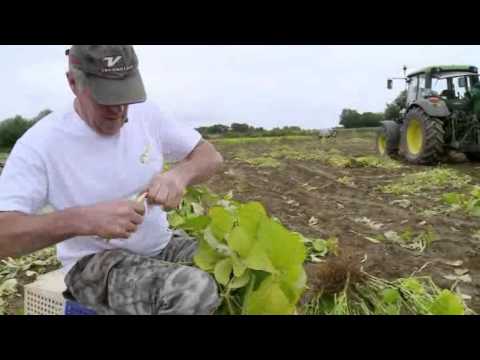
{"x":166,"y":190}
{"x":113,"y":220}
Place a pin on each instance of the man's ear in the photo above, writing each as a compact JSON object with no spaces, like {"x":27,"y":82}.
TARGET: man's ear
{"x":72,"y":82}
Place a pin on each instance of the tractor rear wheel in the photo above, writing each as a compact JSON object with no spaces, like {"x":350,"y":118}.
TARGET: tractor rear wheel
{"x":422,"y":138}
{"x":388,"y":138}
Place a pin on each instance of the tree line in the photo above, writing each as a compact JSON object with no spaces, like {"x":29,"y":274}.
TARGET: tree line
{"x":351,"y":118}
{"x":242,"y":129}
{"x":13,"y":128}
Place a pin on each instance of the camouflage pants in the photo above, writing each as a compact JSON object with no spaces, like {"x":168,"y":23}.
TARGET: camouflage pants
{"x":118,"y":282}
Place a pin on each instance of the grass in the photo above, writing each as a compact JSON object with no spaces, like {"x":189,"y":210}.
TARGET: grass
{"x":364,"y":133}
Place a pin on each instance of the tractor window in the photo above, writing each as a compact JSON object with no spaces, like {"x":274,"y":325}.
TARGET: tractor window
{"x":473,"y":80}
{"x":461,"y":91}
{"x":440,"y":87}
{"x":421,"y":86}
{"x":412,"y":90}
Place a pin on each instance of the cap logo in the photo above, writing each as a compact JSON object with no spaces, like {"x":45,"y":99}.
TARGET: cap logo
{"x":111,"y":61}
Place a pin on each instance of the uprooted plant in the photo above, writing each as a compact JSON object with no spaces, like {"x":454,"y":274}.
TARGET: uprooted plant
{"x":340,"y":288}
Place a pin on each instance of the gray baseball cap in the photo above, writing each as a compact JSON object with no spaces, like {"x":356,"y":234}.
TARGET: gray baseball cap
{"x":111,"y":71}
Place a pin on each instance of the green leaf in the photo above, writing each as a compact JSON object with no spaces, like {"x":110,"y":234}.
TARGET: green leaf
{"x":8,"y":287}
{"x":175,"y":220}
{"x":41,"y":262}
{"x":474,"y":207}
{"x":196,"y":224}
{"x":249,"y":217}
{"x":451,"y":198}
{"x":206,"y":257}
{"x":447,"y":303}
{"x":392,"y":309}
{"x":239,"y":282}
{"x":240,"y":241}
{"x":222,"y":222}
{"x":239,"y":266}
{"x":320,"y":246}
{"x":293,"y":282}
{"x":284,"y":248}
{"x":391,"y":296}
{"x":268,"y":299}
{"x":413,"y":285}
{"x":228,"y":196}
{"x":258,"y":259}
{"x":223,"y":270}
{"x":332,"y":245}
{"x":215,"y":243}
{"x":476,"y":192}
{"x":249,"y":289}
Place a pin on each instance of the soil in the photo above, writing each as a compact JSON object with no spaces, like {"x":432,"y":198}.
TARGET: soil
{"x":298,"y":190}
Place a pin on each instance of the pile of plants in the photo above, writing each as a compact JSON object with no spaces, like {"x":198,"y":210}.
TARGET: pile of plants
{"x":16,"y":272}
{"x":437,"y":179}
{"x":341,"y":287}
{"x":470,"y":203}
{"x":256,"y":261}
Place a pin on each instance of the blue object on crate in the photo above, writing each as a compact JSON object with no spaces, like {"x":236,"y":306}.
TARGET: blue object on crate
{"x":74,"y":308}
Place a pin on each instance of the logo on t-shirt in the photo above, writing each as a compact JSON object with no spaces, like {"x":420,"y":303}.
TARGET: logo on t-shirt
{"x":145,"y":157}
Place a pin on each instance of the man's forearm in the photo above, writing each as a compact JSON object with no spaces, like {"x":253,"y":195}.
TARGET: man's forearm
{"x":200,"y":165}
{"x":21,"y":234}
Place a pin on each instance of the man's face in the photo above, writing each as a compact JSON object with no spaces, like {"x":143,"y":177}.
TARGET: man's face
{"x":105,"y":120}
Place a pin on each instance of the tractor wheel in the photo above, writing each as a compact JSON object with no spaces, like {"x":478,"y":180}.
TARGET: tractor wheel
{"x":473,"y":156}
{"x":388,"y":138}
{"x":422,"y":138}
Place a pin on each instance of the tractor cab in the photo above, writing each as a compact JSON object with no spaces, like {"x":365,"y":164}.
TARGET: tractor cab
{"x":451,"y":84}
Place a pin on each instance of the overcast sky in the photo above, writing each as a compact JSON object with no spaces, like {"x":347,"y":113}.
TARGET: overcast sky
{"x":265,"y":86}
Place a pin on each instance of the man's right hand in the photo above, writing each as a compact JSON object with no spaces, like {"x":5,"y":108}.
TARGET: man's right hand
{"x":113,"y":220}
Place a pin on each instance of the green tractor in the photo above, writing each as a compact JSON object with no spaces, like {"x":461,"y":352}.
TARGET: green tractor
{"x":442,"y":113}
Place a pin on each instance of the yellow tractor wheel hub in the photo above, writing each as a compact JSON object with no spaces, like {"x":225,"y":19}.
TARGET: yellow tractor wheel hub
{"x":414,"y":137}
{"x":381,"y":144}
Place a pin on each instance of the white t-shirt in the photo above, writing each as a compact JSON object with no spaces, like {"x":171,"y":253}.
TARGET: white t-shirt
{"x":62,"y":162}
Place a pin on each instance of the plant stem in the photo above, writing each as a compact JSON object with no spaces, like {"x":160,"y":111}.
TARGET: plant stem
{"x":229,"y":304}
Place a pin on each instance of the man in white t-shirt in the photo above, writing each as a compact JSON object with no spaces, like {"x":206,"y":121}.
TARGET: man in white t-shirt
{"x":88,"y":163}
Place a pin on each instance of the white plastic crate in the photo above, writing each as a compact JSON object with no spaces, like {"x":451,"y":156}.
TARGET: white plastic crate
{"x":44,"y":296}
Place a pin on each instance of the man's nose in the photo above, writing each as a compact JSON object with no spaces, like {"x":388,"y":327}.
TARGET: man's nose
{"x":116,"y":109}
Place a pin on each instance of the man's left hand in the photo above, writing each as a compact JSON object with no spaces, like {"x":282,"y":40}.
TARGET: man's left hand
{"x":166,"y":190}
